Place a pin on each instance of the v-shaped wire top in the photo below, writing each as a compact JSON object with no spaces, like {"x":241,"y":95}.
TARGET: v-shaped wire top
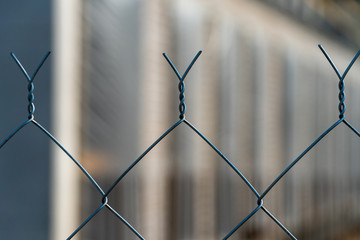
{"x":341,"y":77}
{"x":30,"y":79}
{"x":181,"y":78}
{"x":342,"y":119}
{"x":181,"y":86}
{"x":32,"y":120}
{"x":182,"y":110}
{"x":31,"y":106}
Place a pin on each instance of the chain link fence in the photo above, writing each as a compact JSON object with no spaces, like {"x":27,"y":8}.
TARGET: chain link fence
{"x":260,"y":203}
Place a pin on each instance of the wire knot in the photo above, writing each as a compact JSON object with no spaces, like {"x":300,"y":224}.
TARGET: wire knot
{"x":31,"y":106}
{"x":182,"y":106}
{"x":104,"y":200}
{"x":341,"y":96}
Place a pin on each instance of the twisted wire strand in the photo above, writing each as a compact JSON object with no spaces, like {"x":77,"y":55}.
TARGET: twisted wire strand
{"x":31,"y":106}
{"x":341,"y":97}
{"x":181,"y":85}
{"x":182,"y":106}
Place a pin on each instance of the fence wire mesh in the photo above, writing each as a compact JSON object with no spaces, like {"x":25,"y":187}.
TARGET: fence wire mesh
{"x":182,"y":108}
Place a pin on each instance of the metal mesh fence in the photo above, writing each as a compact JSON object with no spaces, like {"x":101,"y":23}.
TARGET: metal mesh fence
{"x":182,"y":109}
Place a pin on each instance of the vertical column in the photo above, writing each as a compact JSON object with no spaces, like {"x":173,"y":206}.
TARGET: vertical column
{"x":66,"y":113}
{"x":302,"y":176}
{"x":246,"y":128}
{"x":228,"y":123}
{"x":235,"y":128}
{"x":354,"y":98}
{"x":268,"y":127}
{"x":260,"y":86}
{"x":323,"y":154}
{"x":206,"y":115}
{"x":274,"y":157}
{"x":291,"y":94}
{"x":192,"y":189}
{"x":155,"y":118}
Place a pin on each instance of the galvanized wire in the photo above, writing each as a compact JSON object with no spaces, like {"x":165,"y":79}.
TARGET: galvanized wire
{"x":182,"y":109}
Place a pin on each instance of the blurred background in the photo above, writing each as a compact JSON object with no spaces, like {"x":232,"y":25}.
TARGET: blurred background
{"x":262,"y":92}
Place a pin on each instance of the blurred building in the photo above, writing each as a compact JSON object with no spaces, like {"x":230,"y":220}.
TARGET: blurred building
{"x":261,"y":92}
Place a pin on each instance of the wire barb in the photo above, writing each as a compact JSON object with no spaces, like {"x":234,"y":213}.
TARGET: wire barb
{"x":181,"y":86}
{"x":31,"y":105}
{"x":341,"y":85}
